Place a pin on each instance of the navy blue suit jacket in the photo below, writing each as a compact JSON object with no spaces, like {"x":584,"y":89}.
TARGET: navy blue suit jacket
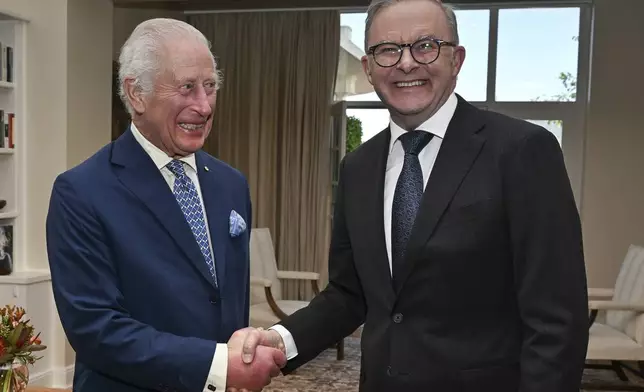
{"x":133,"y":291}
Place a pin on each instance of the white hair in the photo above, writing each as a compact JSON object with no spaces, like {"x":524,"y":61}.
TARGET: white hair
{"x":377,"y":5}
{"x":140,"y":57}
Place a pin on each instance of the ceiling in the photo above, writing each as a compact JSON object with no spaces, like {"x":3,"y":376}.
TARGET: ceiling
{"x":192,"y":5}
{"x":201,"y":5}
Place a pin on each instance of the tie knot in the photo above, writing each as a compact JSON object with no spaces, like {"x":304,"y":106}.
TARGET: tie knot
{"x":176,"y":167}
{"x":414,"y":141}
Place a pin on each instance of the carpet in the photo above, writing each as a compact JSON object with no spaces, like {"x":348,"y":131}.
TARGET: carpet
{"x":325,"y":373}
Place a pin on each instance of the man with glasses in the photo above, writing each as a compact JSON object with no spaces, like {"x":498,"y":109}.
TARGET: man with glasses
{"x":456,"y":237}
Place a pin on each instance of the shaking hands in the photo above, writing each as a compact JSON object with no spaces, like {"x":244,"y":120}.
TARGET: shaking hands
{"x":255,"y":356}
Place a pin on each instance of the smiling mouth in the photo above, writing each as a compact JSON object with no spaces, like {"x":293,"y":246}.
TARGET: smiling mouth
{"x":191,"y":127}
{"x":412,"y":83}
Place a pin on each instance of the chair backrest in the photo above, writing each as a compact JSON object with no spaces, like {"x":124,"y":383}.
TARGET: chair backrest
{"x":263,"y":264}
{"x":629,"y":288}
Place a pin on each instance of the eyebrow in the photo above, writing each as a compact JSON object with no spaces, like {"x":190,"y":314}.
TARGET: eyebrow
{"x":427,"y":36}
{"x":185,"y":80}
{"x":424,"y":36}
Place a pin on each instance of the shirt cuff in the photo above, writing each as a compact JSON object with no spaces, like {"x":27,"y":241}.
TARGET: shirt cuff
{"x":289,"y":343}
{"x":218,"y":370}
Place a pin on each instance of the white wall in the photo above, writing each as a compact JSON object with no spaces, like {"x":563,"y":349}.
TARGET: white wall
{"x":89,"y":103}
{"x":89,"y":84}
{"x":613,"y":189}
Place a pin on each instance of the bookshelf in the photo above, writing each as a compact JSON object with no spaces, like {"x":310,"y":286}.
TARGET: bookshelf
{"x":12,"y":137}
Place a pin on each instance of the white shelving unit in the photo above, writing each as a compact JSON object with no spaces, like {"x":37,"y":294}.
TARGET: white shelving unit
{"x":12,"y":112}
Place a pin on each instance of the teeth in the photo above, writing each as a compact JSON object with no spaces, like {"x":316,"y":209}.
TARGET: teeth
{"x":410,"y":84}
{"x":191,"y":127}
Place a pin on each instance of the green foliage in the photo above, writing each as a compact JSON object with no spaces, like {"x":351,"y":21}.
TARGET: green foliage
{"x":354,"y":133}
{"x":570,"y":87}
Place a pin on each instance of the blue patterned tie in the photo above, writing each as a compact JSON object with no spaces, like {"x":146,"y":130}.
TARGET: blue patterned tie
{"x":188,"y":198}
{"x":407,"y":196}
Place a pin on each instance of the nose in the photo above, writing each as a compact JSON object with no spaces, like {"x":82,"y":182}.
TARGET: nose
{"x":407,"y":62}
{"x":202,"y":103}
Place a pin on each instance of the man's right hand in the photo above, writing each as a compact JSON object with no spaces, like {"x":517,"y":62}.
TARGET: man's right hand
{"x":255,"y":372}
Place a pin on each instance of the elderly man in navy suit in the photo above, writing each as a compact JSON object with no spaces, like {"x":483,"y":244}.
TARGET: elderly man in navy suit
{"x":148,"y":239}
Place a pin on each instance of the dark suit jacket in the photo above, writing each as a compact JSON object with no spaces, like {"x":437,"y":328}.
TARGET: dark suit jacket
{"x":133,"y":291}
{"x":492,"y":296}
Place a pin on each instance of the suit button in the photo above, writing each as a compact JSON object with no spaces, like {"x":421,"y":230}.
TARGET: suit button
{"x":213,"y":301}
{"x":390,"y":372}
{"x":398,"y":318}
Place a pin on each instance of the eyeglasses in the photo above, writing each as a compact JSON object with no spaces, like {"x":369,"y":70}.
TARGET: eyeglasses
{"x":423,"y":51}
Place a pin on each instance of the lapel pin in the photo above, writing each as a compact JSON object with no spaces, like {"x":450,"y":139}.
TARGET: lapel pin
{"x":206,"y":168}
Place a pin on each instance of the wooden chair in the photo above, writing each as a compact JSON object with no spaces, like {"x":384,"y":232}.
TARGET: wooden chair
{"x":267,"y":306}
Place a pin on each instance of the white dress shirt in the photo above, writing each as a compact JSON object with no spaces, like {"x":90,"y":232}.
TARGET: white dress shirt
{"x":437,"y":125}
{"x":219,"y":366}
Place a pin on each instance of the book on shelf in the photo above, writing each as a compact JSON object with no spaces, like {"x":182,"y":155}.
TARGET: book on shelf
{"x":6,"y":68}
{"x":7,"y":121}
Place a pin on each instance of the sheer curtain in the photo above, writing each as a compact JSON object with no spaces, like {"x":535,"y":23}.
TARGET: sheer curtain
{"x":272,"y":122}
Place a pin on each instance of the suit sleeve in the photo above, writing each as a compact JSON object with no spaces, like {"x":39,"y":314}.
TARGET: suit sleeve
{"x":549,"y":267}
{"x":92,"y":308}
{"x":340,"y":308}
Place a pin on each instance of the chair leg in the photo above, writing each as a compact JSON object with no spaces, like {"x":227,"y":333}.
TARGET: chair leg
{"x":617,"y":367}
{"x":639,"y":372}
{"x":340,"y":348}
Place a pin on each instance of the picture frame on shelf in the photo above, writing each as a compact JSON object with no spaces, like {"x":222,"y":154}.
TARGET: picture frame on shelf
{"x":6,"y":248}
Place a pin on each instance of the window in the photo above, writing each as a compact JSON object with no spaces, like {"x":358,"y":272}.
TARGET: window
{"x":472,"y":80}
{"x":537,"y":54}
{"x":372,"y":121}
{"x":352,"y":84}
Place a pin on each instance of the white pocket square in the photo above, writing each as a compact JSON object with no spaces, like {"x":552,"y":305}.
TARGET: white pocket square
{"x":237,"y":224}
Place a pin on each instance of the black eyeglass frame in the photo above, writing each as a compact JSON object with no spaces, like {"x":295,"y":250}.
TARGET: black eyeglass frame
{"x":401,"y":48}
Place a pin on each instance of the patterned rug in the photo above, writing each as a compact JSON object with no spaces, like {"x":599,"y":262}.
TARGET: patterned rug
{"x":325,"y":373}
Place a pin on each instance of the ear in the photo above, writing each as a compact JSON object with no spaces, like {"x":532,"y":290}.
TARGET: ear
{"x":366,"y":67}
{"x":134,"y":95}
{"x":458,"y":59}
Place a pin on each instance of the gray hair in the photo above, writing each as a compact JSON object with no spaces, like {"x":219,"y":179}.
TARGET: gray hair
{"x":140,"y":55}
{"x":377,"y":6}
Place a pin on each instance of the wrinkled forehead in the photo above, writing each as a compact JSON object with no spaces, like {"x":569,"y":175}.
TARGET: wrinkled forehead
{"x":408,"y":21}
{"x":188,"y":58}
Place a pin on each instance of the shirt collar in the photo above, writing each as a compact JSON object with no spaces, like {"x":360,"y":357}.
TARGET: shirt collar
{"x":436,"y":124}
{"x":160,"y":158}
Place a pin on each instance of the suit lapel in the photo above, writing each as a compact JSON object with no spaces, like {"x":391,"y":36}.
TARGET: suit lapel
{"x":217,"y":211}
{"x":136,"y":171}
{"x":457,"y":154}
{"x":371,"y":210}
